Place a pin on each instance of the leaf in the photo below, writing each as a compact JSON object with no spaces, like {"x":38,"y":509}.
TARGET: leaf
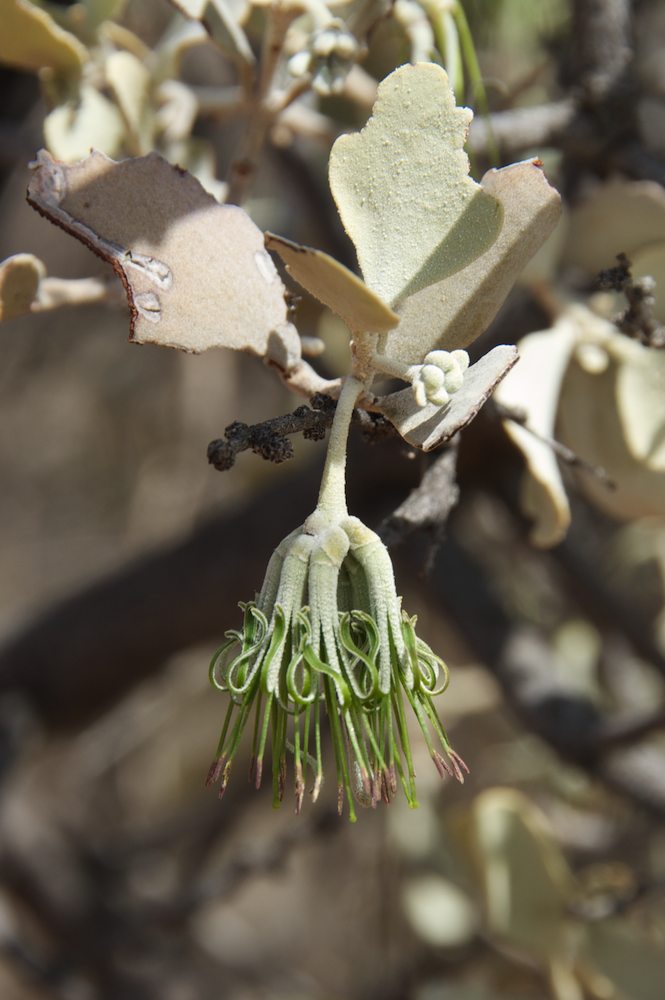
{"x":30,"y":39}
{"x":198,"y":157}
{"x":334,"y":285}
{"x":650,"y":262}
{"x":20,"y":276}
{"x":429,"y":426}
{"x":217,"y":17}
{"x":620,"y":217}
{"x":453,"y":312}
{"x":196,"y":273}
{"x":526,"y":883}
{"x":439,"y":912}
{"x":630,"y":957}
{"x":97,"y":11}
{"x":402,"y":187}
{"x":612,"y":413}
{"x":533,"y":387}
{"x":72,"y":129}
{"x":129,"y":80}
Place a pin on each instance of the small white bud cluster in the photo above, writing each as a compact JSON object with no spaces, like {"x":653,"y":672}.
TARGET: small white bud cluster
{"x":329,"y":56}
{"x":439,"y":377}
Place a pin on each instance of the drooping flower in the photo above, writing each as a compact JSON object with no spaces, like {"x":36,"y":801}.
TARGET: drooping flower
{"x":326,"y":634}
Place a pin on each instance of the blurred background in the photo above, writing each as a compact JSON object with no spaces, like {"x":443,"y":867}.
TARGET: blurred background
{"x":124,"y":553}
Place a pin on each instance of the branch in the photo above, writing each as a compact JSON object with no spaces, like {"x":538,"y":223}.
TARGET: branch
{"x":521,"y":658}
{"x":522,"y":128}
{"x":638,"y":320}
{"x":601,"y":35}
{"x":428,"y":506}
{"x":269,"y":438}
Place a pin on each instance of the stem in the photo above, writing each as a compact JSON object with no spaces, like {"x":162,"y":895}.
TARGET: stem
{"x":390,"y":366}
{"x":475,"y":76}
{"x":262,"y":116}
{"x":332,"y":495}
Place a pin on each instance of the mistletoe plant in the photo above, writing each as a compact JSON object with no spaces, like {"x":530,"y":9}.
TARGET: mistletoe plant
{"x":438,"y":253}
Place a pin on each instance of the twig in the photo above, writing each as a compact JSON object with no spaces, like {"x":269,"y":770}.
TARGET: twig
{"x":629,"y":728}
{"x":269,"y":438}
{"x":638,"y":320}
{"x":562,"y":451}
{"x":521,"y":658}
{"x":428,"y":506}
{"x":601,"y":33}
{"x":54,"y":293}
{"x":263,"y":115}
{"x":521,"y":129}
{"x":267,"y":858}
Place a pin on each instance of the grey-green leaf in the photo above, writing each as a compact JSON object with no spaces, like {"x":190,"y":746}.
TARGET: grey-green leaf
{"x":402,"y":187}
{"x":334,"y":285}
{"x":429,"y":426}
{"x":456,"y":310}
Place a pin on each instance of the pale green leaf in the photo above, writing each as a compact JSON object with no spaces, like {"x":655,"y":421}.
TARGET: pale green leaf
{"x":526,"y":883}
{"x":30,"y":39}
{"x":440,"y":913}
{"x":92,"y":122}
{"x":533,"y":387}
{"x":198,"y":157}
{"x":20,"y":276}
{"x":619,"y":217}
{"x":429,"y":426}
{"x":402,"y":187}
{"x":196,"y":273}
{"x":612,"y":413}
{"x":98,"y":11}
{"x":222,"y":24}
{"x":629,"y":956}
{"x":334,"y":285}
{"x":650,"y":262}
{"x":453,"y":312}
{"x":130,"y":82}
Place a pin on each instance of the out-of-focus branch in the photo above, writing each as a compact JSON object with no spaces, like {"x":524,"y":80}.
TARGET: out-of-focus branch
{"x":128,"y":624}
{"x":521,"y":129}
{"x":601,"y":32}
{"x":638,"y":320}
{"x":57,"y":292}
{"x":428,"y":507}
{"x":522,"y":660}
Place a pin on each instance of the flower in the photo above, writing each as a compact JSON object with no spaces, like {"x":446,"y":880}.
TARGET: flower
{"x":327,"y":634}
{"x":439,"y":377}
{"x":330,"y":53}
